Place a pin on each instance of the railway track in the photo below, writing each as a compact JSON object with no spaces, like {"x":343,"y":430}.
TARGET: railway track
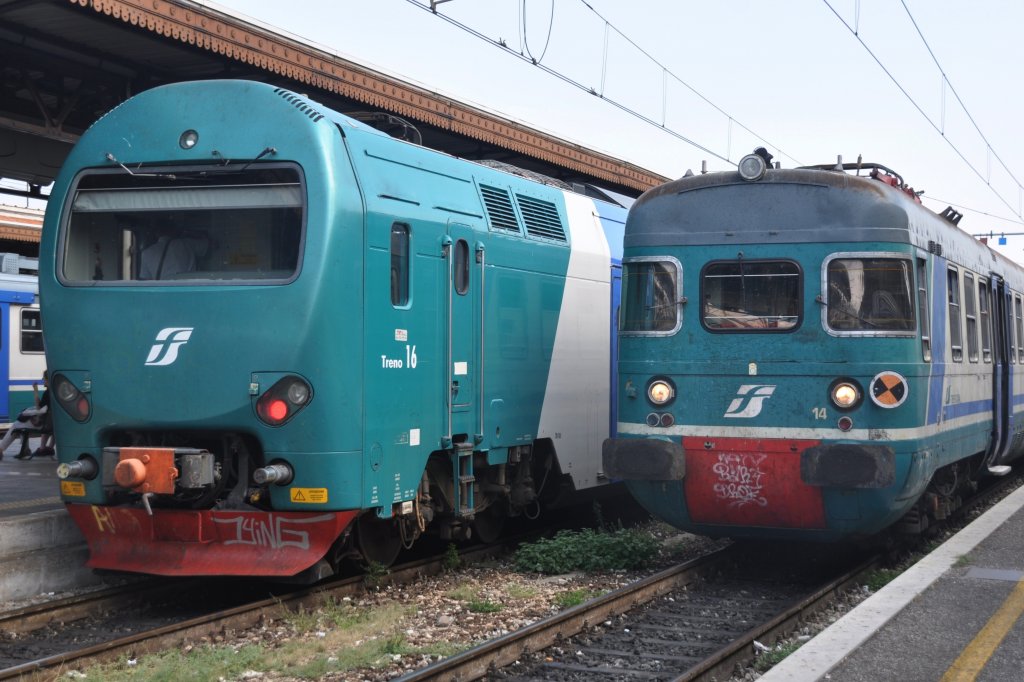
{"x":34,"y":635}
{"x":698,"y":620}
{"x":692,"y":621}
{"x":695,"y":619}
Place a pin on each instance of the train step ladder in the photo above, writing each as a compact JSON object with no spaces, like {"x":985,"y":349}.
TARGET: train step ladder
{"x":462,"y":460}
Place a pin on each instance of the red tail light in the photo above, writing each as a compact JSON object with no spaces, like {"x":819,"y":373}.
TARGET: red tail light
{"x":283,"y":400}
{"x":74,"y":402}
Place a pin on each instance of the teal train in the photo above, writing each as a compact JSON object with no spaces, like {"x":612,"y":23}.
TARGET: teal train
{"x":279,"y":337}
{"x":811,"y":354}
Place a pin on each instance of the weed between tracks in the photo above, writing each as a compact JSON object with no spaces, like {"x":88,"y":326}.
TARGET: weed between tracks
{"x":395,"y":628}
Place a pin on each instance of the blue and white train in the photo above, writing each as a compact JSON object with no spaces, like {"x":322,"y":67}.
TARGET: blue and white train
{"x":811,"y":354}
{"x":22,"y":361}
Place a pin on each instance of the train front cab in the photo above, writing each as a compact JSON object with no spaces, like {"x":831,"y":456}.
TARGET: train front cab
{"x":811,"y":395}
{"x":353,"y":321}
{"x":173,"y":388}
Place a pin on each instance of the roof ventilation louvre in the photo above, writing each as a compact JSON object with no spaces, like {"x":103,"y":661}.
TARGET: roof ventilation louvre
{"x":300,"y":104}
{"x":499,"y":209}
{"x":541,"y":218}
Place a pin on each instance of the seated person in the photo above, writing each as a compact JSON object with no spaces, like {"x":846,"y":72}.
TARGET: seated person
{"x":31,"y":418}
{"x":171,"y":254}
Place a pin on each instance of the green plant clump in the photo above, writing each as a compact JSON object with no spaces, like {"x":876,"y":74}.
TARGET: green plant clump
{"x":451,"y":561}
{"x":587,"y":550}
{"x":772,"y":658}
{"x":876,"y":580}
{"x":572,"y":598}
{"x":484,"y":606}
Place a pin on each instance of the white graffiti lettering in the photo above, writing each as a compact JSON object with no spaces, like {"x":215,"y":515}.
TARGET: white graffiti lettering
{"x":740,"y":479}
{"x":270,"y":531}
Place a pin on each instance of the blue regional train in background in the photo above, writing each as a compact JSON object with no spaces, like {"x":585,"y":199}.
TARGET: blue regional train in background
{"x":811,"y":354}
{"x":277,"y":336}
{"x":22,"y":362}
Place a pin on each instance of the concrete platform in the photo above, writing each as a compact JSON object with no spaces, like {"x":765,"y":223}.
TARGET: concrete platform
{"x":41,"y":550}
{"x":955,"y":615}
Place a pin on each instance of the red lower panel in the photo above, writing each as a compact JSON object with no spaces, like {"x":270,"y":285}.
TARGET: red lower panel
{"x":750,"y":482}
{"x":180,"y":543}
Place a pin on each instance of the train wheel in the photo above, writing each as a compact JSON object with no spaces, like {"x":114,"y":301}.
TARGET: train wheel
{"x":488,"y":523}
{"x":379,"y":541}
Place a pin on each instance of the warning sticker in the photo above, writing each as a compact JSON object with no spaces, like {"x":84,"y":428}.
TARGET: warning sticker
{"x":309,"y":495}
{"x":72,"y":488}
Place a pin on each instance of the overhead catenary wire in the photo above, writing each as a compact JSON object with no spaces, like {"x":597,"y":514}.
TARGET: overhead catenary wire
{"x":615,"y":103}
{"x":938,"y":128}
{"x":526,"y":55}
{"x":954,"y":204}
{"x":547,"y":41}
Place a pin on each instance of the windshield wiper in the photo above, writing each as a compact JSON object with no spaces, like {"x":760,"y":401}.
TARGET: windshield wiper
{"x":844,"y":311}
{"x":167,"y":176}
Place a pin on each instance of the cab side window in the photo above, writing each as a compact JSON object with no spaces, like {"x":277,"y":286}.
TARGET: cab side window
{"x":399,"y":265}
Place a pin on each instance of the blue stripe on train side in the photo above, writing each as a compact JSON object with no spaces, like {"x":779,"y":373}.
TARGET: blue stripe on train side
{"x":966,"y":409}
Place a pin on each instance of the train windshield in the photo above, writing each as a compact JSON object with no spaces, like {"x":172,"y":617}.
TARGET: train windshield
{"x":751,"y":296}
{"x":869,"y":295}
{"x":201,"y":227}
{"x":650,"y":296}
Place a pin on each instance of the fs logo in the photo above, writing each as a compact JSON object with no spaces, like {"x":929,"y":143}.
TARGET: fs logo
{"x":168,"y":341}
{"x":749,"y":400}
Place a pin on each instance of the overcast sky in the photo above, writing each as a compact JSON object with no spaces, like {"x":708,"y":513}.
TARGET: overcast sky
{"x":788,"y":70}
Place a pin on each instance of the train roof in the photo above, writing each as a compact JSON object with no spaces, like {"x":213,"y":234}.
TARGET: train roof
{"x":786,"y":205}
{"x":799,"y":205}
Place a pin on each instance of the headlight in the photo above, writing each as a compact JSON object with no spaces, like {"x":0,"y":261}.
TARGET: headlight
{"x":845,"y":395}
{"x":660,"y":391}
{"x":752,"y":167}
{"x":188,"y":139}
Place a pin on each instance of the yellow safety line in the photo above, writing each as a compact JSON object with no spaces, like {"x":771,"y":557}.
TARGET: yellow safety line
{"x":29,"y":503}
{"x":976,"y":655}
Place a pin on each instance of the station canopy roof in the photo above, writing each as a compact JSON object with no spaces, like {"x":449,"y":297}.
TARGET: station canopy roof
{"x":64,"y":63}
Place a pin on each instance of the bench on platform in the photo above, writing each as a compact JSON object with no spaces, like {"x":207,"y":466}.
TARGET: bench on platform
{"x":26,"y":433}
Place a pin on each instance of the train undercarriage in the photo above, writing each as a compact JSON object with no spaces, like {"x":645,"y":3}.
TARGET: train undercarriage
{"x":183,"y":484}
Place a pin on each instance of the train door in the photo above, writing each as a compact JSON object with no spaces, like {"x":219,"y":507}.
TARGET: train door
{"x":998,"y":297}
{"x":616,"y":293}
{"x":465,"y":256}
{"x":5,"y":361}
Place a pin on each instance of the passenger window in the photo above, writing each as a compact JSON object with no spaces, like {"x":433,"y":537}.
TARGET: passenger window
{"x":970,"y":310}
{"x":461,"y":267}
{"x":651,"y":292}
{"x":870,"y":295}
{"x":1011,"y":331}
{"x":1020,"y":329}
{"x":399,"y":264}
{"x":31,"y":331}
{"x":956,"y":344}
{"x":751,"y":296}
{"x":922,"y":306}
{"x":985,"y":320}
